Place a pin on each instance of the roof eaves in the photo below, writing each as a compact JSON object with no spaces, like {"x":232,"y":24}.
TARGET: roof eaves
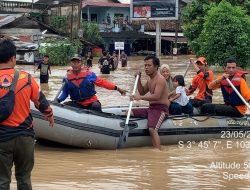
{"x":9,"y":18}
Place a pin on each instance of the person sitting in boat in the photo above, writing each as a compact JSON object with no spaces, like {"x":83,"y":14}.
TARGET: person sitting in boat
{"x":80,"y":83}
{"x":178,"y":98}
{"x":166,"y":72}
{"x":201,"y":80}
{"x":156,"y":93}
{"x":234,"y":106}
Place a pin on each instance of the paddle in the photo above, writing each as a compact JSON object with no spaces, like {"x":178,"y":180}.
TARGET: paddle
{"x":187,"y":69}
{"x":237,"y":92}
{"x":124,"y":135}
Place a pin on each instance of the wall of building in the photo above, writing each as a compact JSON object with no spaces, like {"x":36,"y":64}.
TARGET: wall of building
{"x":102,"y":13}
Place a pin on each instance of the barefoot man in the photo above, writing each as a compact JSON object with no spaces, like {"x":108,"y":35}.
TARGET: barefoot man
{"x":155,"y":92}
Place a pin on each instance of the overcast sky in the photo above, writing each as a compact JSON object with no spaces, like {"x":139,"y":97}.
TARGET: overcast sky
{"x":122,"y":1}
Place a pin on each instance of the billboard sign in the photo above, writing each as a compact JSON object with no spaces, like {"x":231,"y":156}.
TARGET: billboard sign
{"x":154,"y":9}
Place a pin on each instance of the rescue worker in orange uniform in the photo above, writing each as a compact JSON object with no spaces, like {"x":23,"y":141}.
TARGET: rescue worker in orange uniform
{"x":16,"y":130}
{"x":200,"y":81}
{"x":234,"y":106}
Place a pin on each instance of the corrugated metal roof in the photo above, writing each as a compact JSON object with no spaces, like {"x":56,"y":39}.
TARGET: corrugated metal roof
{"x":166,"y":25}
{"x":50,"y":2}
{"x":172,"y":39}
{"x":104,"y":4}
{"x":6,"y":19}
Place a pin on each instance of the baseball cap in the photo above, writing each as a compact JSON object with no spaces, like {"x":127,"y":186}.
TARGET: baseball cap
{"x":202,"y":60}
{"x":76,"y":56}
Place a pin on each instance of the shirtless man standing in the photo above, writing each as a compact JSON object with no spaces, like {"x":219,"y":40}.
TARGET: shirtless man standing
{"x":156,"y":93}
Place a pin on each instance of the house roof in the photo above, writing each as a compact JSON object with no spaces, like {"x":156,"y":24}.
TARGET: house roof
{"x":6,"y":19}
{"x":166,"y":25}
{"x":50,"y":2}
{"x":103,"y":4}
{"x":187,"y":1}
{"x":125,"y":35}
{"x":172,"y":39}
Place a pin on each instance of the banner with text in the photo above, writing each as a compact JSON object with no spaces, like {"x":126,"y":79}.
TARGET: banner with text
{"x":154,"y":9}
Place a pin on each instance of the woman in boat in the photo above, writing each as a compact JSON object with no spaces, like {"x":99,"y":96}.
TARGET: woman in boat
{"x":234,"y":106}
{"x":80,"y":83}
{"x":200,"y":81}
{"x":166,"y":72}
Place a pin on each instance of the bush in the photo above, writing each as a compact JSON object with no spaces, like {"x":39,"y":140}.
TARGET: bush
{"x":59,"y":51}
{"x":226,"y":33}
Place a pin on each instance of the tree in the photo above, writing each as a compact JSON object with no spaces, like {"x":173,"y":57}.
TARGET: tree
{"x":226,"y":32}
{"x":59,"y":51}
{"x":193,"y":18}
{"x":59,"y":23}
{"x":91,"y":32}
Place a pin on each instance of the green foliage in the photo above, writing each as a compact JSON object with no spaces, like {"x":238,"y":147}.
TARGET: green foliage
{"x":193,"y":18}
{"x":91,"y":32}
{"x":59,"y":23}
{"x":226,"y":33}
{"x":60,"y":51}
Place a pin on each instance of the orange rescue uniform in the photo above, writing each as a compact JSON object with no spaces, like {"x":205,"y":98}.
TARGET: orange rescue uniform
{"x":26,"y":89}
{"x":201,"y":81}
{"x":244,"y":90}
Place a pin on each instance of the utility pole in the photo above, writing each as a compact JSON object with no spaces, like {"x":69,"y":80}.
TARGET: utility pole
{"x":177,"y":24}
{"x":32,"y":6}
{"x":158,"y":38}
{"x":71,"y":21}
{"x":79,"y":14}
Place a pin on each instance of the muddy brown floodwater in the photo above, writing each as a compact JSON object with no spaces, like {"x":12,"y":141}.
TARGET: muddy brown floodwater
{"x":144,"y":168}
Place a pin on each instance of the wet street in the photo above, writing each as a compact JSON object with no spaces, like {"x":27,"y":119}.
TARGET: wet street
{"x":174,"y":168}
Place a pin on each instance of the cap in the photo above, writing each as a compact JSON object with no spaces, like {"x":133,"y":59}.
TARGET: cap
{"x":76,"y":56}
{"x":202,"y":60}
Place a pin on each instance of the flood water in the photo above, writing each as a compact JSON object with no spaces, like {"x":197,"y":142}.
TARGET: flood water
{"x":174,"y":167}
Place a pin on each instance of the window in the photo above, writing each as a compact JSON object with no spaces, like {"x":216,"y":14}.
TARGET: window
{"x":84,"y":16}
{"x":94,"y":17}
